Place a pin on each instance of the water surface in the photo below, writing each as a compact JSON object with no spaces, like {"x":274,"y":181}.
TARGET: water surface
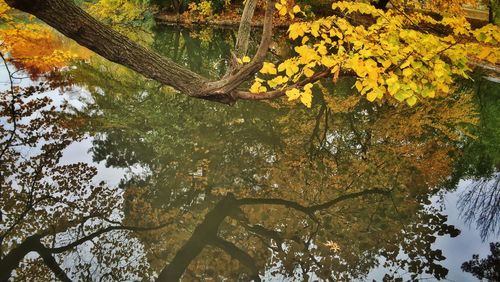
{"x":132,"y":179}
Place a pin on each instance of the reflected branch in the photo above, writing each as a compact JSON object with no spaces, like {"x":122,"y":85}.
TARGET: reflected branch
{"x":103,"y":231}
{"x":481,"y":203}
{"x":311,"y":209}
{"x":51,"y":263}
{"x":238,"y":254}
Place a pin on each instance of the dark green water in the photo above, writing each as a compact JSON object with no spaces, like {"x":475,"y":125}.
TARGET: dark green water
{"x":347,"y":190}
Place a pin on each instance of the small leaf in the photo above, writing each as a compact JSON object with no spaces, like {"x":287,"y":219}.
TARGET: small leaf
{"x":411,"y":101}
{"x":306,"y":99}
{"x":292,"y":94}
{"x":371,"y":96}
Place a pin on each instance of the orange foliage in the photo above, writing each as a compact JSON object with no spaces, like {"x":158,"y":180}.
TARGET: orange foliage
{"x":33,"y":47}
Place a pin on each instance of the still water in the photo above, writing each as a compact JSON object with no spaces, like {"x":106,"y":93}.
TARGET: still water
{"x":126,"y":180}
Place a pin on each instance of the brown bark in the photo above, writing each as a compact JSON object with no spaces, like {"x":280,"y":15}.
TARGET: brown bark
{"x":72,"y":21}
{"x":231,"y":82}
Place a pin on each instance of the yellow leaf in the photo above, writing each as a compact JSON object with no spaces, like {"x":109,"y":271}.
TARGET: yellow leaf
{"x":308,"y":72}
{"x":411,"y":101}
{"x":292,"y":94}
{"x":306,"y":99}
{"x":484,"y":53}
{"x":371,"y":96}
{"x":308,"y":87}
{"x":277,"y":81}
{"x":295,"y":30}
{"x":407,"y":62}
{"x":246,"y":59}
{"x":255,"y":88}
{"x":315,"y":29}
{"x":328,"y":61}
{"x":386,"y":63}
{"x":358,"y":85}
{"x":282,"y":10}
{"x":492,"y":58}
{"x":268,"y":68}
{"x":407,"y":72}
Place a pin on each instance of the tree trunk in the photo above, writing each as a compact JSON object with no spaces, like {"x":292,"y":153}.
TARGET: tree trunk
{"x":203,"y":234}
{"x":70,"y":20}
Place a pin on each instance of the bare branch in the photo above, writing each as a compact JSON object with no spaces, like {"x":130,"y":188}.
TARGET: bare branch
{"x":311,"y":209}
{"x":102,"y":231}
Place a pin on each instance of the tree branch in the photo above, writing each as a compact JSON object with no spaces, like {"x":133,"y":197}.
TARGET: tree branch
{"x":228,"y":84}
{"x":311,"y":209}
{"x":245,"y":95}
{"x":237,"y":253}
{"x":102,"y":231}
{"x":15,"y":256}
{"x":51,"y":263}
{"x":72,"y":21}
{"x":202,"y":234}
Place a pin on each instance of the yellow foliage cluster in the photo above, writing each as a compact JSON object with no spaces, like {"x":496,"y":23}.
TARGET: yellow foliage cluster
{"x":203,"y":9}
{"x":117,"y":11}
{"x":284,"y":9}
{"x":393,"y":57}
{"x":125,"y":16}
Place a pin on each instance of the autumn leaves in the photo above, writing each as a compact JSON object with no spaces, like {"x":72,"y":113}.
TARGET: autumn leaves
{"x":393,"y":55}
{"x":32,"y":47}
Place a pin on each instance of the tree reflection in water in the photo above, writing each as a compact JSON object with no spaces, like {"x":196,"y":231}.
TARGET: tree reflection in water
{"x":488,"y":268}
{"x":254,"y":191}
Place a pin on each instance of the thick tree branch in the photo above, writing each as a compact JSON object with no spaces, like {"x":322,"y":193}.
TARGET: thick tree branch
{"x":202,"y":235}
{"x":11,"y":261}
{"x":51,"y":263}
{"x":72,"y":21}
{"x":237,"y":253}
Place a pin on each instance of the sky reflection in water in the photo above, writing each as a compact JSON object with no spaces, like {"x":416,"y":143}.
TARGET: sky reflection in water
{"x":265,"y":189}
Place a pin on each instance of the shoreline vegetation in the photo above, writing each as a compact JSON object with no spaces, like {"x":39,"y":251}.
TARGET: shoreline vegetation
{"x":228,"y":18}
